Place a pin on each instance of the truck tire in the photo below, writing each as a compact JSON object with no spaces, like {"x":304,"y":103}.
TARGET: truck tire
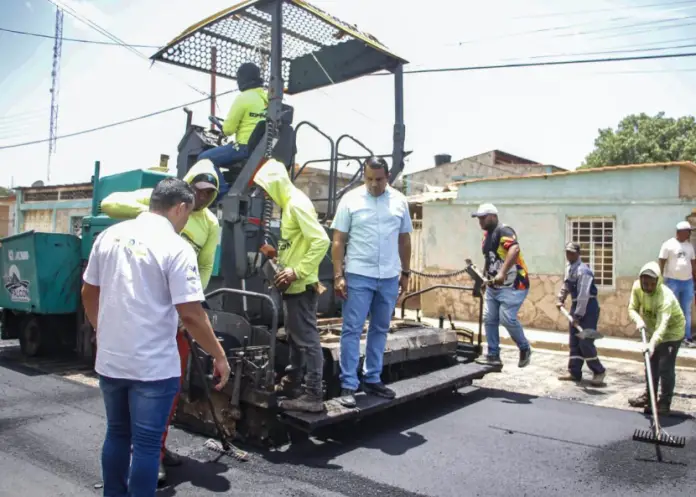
{"x":30,"y":336}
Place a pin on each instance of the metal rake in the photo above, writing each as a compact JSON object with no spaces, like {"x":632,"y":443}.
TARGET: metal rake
{"x":655,"y":435}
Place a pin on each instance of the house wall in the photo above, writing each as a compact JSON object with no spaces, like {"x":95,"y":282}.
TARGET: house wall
{"x":7,"y":216}
{"x":52,"y":209}
{"x":315,"y":184}
{"x":479,"y":166}
{"x":644,"y":203}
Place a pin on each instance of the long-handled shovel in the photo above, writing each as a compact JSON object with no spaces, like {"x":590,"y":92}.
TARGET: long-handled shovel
{"x":582,"y":333}
{"x":655,"y":435}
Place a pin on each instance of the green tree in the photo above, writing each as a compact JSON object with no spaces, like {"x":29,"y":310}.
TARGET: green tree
{"x":641,"y":139}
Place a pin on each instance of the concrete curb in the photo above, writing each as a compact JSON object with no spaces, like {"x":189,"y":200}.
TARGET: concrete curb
{"x":557,"y":341}
{"x":608,"y":352}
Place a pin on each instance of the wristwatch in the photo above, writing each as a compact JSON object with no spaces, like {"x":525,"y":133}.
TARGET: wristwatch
{"x":405,"y":273}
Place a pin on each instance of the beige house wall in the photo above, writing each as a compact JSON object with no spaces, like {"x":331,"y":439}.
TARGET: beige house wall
{"x":539,"y":309}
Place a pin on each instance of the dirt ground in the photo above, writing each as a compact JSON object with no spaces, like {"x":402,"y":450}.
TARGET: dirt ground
{"x":624,"y":379}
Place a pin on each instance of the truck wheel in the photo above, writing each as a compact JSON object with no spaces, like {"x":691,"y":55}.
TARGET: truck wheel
{"x":30,"y":336}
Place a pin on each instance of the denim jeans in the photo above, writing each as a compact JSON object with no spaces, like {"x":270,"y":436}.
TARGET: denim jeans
{"x":501,"y":307}
{"x":684,"y":291}
{"x":136,"y":415}
{"x":224,"y":156}
{"x":376,"y":297}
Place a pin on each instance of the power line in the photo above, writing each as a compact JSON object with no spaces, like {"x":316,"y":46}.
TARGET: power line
{"x":114,"y":124}
{"x":549,"y":63}
{"x":636,"y":25}
{"x":613,"y":9}
{"x":75,"y":40}
{"x":106,"y":33}
{"x":582,"y":24}
{"x":416,"y":71}
{"x":644,"y":30}
{"x":607,"y":52}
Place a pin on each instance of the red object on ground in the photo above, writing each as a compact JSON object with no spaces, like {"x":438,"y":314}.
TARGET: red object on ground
{"x":184,"y":351}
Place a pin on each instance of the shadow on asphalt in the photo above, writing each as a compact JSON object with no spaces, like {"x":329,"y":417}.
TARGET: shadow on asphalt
{"x":206,"y":475}
{"x":11,"y":358}
{"x":394,"y":432}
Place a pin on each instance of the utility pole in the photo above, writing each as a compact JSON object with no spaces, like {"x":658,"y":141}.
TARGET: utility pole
{"x":55,"y":84}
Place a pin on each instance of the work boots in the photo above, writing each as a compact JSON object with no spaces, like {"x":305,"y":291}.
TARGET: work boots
{"x":641,"y":400}
{"x":307,"y":401}
{"x":289,"y":386}
{"x":347,"y":398}
{"x":489,"y":360}
{"x":568,"y":376}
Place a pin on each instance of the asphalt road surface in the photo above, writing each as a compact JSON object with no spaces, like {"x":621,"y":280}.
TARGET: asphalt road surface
{"x":486,"y":442}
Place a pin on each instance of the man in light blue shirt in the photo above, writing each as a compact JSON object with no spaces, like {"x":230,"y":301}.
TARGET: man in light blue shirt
{"x":374,"y":222}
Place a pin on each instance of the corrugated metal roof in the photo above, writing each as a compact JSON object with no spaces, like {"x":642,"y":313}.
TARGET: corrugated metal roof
{"x":593,"y":170}
{"x":49,"y":187}
{"x":422,"y":198}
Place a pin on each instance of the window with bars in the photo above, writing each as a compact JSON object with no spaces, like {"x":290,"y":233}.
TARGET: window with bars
{"x":596,"y":238}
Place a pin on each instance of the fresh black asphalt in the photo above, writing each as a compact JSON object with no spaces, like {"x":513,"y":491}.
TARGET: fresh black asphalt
{"x":484,"y":443}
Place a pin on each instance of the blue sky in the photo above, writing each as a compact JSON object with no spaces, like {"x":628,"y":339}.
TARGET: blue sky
{"x":547,"y":114}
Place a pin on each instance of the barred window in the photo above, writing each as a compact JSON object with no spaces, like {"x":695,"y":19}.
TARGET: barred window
{"x":596,"y":238}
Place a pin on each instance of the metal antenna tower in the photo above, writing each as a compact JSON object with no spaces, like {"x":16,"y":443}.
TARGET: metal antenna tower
{"x":55,"y":83}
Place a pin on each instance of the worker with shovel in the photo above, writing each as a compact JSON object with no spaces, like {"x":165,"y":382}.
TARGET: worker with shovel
{"x":654,"y":308}
{"x":584,"y":313}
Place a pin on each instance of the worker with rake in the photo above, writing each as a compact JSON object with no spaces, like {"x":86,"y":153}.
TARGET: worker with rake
{"x":202,"y":231}
{"x":654,"y":308}
{"x":584,"y":310}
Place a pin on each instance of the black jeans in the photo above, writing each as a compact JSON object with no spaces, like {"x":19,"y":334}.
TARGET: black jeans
{"x":300,"y":314}
{"x":663,"y":366}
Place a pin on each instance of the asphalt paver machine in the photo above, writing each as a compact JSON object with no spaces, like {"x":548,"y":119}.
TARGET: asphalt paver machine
{"x":308,"y":49}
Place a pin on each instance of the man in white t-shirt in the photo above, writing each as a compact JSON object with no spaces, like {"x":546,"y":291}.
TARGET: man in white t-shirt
{"x":678,"y":265}
{"x":140,"y":278}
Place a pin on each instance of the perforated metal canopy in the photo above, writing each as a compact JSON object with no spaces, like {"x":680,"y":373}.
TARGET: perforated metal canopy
{"x":318,"y":49}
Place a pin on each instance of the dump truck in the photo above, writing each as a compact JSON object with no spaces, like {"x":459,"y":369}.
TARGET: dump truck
{"x":309,"y":49}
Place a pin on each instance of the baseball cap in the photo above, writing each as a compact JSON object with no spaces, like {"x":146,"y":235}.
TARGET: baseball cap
{"x":204,"y":181}
{"x":649,"y":272}
{"x":484,"y":210}
{"x":572,"y":247}
{"x":684,"y":225}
